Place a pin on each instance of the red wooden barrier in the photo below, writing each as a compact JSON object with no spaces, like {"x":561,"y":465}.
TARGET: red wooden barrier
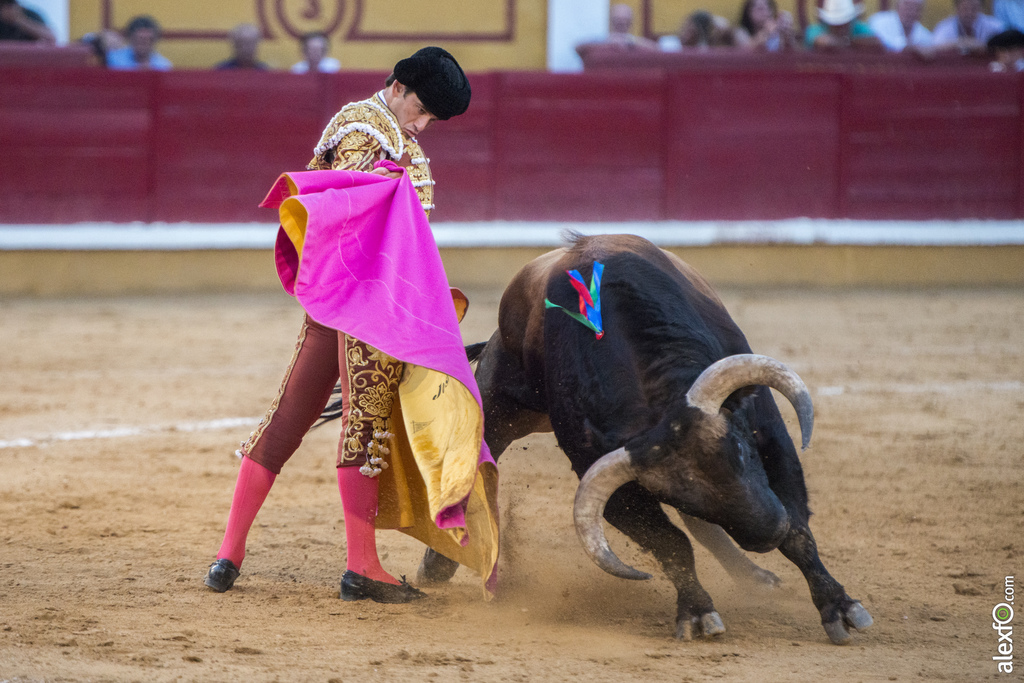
{"x":929,"y":144}
{"x":753,"y":145}
{"x":76,"y":145}
{"x":729,"y":138}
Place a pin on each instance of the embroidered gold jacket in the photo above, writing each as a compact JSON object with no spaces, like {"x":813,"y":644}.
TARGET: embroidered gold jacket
{"x":366,"y":132}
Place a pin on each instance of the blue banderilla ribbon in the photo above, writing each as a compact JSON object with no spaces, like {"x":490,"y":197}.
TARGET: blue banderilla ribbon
{"x":590,"y":299}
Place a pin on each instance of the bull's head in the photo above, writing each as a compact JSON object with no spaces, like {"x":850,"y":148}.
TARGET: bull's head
{"x":709,"y":468}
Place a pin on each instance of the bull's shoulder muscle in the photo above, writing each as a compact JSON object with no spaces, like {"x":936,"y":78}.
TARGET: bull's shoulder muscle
{"x":693,"y":277}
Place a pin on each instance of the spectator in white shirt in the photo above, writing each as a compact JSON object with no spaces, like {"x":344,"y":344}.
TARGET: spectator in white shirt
{"x":901,"y":27}
{"x":315,"y":47}
{"x":1010,"y":12}
{"x":968,"y":29}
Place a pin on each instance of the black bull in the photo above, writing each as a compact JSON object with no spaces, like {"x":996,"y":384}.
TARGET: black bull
{"x":651,"y":414}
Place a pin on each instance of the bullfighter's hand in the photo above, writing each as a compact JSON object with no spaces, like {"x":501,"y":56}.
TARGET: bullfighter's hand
{"x":386,"y":173}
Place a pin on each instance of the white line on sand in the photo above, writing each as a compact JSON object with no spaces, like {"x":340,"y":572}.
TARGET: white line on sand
{"x":853,"y":388}
{"x":924,"y":388}
{"x":121,"y":432}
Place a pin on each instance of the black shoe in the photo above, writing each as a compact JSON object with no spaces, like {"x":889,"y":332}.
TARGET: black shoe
{"x":358,"y":587}
{"x":222,"y":575}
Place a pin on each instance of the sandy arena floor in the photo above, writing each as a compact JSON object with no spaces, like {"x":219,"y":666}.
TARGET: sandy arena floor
{"x":116,"y":482}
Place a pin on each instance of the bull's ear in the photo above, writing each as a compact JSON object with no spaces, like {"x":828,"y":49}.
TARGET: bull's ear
{"x":599,"y":440}
{"x":738,"y":398}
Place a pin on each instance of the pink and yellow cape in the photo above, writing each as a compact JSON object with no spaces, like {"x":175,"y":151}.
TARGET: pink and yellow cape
{"x":357,"y":252}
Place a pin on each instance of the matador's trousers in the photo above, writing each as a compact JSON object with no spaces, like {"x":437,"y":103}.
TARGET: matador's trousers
{"x":369,"y":384}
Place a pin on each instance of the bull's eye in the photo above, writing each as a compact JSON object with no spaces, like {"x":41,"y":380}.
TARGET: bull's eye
{"x":742,"y":452}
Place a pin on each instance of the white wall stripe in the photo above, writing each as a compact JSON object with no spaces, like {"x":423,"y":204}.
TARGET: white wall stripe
{"x":497,"y":234}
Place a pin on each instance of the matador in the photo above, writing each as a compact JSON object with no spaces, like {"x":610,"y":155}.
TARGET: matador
{"x":376,"y":135}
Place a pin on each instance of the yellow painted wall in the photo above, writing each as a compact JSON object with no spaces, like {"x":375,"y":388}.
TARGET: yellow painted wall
{"x":480,"y":33}
{"x":77,"y":273}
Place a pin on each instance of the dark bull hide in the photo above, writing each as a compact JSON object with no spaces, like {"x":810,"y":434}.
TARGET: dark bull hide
{"x":668,"y":407}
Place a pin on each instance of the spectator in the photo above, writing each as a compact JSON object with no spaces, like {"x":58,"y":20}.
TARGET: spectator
{"x":620,"y":33}
{"x":901,"y":27}
{"x":142,"y":34}
{"x":1007,"y":50}
{"x":967,"y":29}
{"x":245,"y":41}
{"x":703,"y":30}
{"x":315,"y":47}
{"x":839,"y":29}
{"x":102,"y":43}
{"x":19,"y":23}
{"x":763,"y":27}
{"x":620,"y":22}
{"x":1010,"y":12}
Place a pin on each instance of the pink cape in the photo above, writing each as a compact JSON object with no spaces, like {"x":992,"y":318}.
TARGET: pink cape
{"x":370,"y":268}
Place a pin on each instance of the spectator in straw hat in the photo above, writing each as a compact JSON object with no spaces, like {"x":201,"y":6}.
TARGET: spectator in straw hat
{"x":839,"y":28}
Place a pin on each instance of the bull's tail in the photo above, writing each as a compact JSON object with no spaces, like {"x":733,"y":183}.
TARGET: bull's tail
{"x":473,"y":351}
{"x":334,"y":407}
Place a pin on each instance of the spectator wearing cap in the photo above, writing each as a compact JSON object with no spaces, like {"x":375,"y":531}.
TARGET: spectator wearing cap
{"x":142,"y":34}
{"x":901,"y":28}
{"x":967,"y":29}
{"x":375,"y":135}
{"x":1007,"y":51}
{"x":245,"y":43}
{"x":315,"y":49}
{"x":839,"y":28}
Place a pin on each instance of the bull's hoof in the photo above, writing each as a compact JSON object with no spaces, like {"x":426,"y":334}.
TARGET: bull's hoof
{"x":853,"y":616}
{"x":435,"y":568}
{"x":706,"y":625}
{"x":764,"y":579}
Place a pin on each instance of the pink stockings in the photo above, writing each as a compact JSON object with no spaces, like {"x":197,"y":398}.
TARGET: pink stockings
{"x":359,"y":500}
{"x":305,"y":391}
{"x":251,"y":489}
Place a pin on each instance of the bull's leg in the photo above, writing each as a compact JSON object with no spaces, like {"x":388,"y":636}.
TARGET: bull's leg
{"x":839,"y":612}
{"x":735,"y":562}
{"x":504,"y":422}
{"x":636,"y":513}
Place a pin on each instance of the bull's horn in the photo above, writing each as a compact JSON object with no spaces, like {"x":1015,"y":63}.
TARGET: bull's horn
{"x":597,"y":486}
{"x":720,"y":379}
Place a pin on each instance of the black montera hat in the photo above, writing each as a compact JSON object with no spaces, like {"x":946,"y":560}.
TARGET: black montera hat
{"x":437,"y":79}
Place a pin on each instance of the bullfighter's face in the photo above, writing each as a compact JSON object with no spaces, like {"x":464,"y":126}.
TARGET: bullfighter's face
{"x":413,"y":117}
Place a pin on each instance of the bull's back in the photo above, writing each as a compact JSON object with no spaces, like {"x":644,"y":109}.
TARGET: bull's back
{"x":585,"y":250}
{"x":522,"y":313}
